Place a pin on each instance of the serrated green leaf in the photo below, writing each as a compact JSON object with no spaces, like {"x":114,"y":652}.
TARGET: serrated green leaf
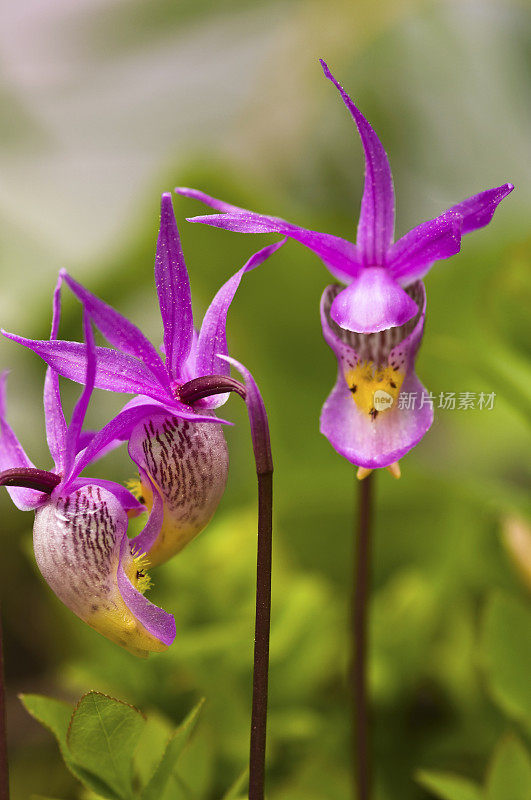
{"x":174,"y":748}
{"x":237,"y":790}
{"x":56,"y":716}
{"x":509,"y":776}
{"x":447,"y":786}
{"x":102,"y":738}
{"x":506,"y":655}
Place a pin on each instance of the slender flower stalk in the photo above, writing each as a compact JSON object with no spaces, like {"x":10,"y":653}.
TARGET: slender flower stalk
{"x":208,"y":386}
{"x":359,"y":620}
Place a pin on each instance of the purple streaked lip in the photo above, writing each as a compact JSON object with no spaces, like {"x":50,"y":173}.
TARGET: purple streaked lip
{"x":86,"y":558}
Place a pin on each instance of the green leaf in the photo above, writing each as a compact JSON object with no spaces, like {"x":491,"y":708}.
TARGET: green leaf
{"x":449,"y":787}
{"x":509,"y":776}
{"x":506,"y":655}
{"x":237,"y":790}
{"x":175,"y":746}
{"x":151,"y":746}
{"x":102,"y":738}
{"x":56,"y":716}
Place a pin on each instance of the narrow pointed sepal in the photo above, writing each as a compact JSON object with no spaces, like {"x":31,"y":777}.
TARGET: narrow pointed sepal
{"x":377,"y":215}
{"x":212,"y":341}
{"x":173,"y":288}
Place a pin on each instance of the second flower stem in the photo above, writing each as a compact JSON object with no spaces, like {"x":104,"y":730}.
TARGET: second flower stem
{"x":359,"y":622}
{"x":261,"y":638}
{"x":192,"y":392}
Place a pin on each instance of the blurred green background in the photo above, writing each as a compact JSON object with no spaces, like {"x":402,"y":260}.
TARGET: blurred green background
{"x":106,"y":103}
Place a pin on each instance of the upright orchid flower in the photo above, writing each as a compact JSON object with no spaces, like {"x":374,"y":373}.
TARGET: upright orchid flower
{"x":375,"y":324}
{"x":179,"y":448}
{"x":80,"y":531}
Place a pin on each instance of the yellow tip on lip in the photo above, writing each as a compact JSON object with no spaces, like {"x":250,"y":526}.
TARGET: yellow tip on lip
{"x":362,"y":473}
{"x":394,"y":469}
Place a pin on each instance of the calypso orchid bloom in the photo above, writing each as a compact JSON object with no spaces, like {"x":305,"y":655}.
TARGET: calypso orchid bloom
{"x":178,"y":448}
{"x":375,"y":324}
{"x":80,"y":531}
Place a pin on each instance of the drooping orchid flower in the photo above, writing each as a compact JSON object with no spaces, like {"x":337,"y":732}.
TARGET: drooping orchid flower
{"x":179,"y":448}
{"x":374,"y":325}
{"x":80,"y":531}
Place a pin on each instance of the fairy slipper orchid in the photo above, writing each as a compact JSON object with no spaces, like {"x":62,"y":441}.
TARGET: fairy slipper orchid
{"x":363,"y":418}
{"x":376,"y":270}
{"x":80,"y":531}
{"x":178,"y":447}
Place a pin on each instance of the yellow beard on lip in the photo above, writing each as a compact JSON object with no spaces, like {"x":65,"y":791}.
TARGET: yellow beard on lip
{"x":374,"y":389}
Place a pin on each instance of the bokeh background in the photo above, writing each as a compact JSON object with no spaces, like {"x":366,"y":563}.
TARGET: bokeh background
{"x":106,"y":103}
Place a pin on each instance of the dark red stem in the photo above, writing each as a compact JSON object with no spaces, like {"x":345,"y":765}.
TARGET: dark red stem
{"x":190,"y":393}
{"x":359,"y":676}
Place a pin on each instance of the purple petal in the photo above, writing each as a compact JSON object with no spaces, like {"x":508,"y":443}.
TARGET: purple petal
{"x":118,"y":331}
{"x":116,"y":372}
{"x":127,"y":500}
{"x":155,"y":620}
{"x":257,"y":418}
{"x":377,"y":216}
{"x":85,"y":438}
{"x":339,"y":256}
{"x":477,"y":211}
{"x":119,"y":428}
{"x":372,"y":302}
{"x":80,"y":409}
{"x":122,"y":425}
{"x":53,"y":410}
{"x":12,"y":455}
{"x":373,"y":444}
{"x":188,"y":369}
{"x":212,"y":337}
{"x":173,"y":288}
{"x":147,"y":536}
{"x":412,"y":256}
